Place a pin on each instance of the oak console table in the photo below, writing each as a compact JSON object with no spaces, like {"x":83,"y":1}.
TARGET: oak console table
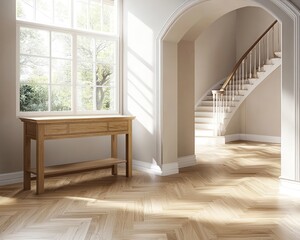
{"x":44,"y":128}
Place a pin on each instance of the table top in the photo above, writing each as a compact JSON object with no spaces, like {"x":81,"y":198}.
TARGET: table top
{"x":84,"y":118}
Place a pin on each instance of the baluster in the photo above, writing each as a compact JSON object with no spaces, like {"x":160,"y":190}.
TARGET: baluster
{"x":246,"y":69}
{"x":262,"y":54}
{"x":241,"y":69}
{"x":243,"y":74}
{"x":218,"y":112}
{"x":225,"y":99}
{"x":250,"y":72}
{"x":273,"y":41}
{"x":231,"y":89}
{"x":240,"y":77}
{"x":221,"y":115}
{"x":214,"y":110}
{"x":232,"y":86}
{"x":268,"y":48}
{"x":254,"y":64}
{"x":259,"y":63}
{"x":237,"y":84}
{"x":223,"y":111}
{"x":279,"y":38}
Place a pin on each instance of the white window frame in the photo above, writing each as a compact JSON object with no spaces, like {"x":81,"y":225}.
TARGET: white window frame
{"x":74,"y":32}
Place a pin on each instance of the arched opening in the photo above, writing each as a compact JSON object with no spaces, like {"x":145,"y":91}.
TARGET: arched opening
{"x":199,"y":15}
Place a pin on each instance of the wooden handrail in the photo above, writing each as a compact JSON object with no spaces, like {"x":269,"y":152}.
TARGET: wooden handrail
{"x":244,"y":56}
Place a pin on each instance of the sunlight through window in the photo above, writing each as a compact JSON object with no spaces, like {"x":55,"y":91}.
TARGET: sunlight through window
{"x":140,"y":86}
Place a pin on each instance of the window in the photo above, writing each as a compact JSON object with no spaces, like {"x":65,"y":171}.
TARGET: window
{"x":67,"y":56}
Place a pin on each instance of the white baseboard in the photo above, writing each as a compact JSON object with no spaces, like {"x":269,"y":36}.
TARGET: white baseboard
{"x":289,"y":187}
{"x":11,"y":178}
{"x":187,"y":161}
{"x":153,"y":168}
{"x":252,"y":138}
{"x":232,"y":138}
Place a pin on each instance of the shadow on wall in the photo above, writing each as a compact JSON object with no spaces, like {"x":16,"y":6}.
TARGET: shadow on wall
{"x":140,"y":84}
{"x":140,"y":89}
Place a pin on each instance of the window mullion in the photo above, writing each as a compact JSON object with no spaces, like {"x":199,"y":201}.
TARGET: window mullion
{"x":74,"y":74}
{"x":54,"y":69}
{"x":94,"y":76}
{"x":50,"y":72}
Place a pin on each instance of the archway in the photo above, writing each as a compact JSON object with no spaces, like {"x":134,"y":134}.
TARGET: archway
{"x":183,"y":19}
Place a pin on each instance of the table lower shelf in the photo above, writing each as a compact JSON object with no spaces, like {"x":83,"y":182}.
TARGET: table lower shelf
{"x":79,"y":167}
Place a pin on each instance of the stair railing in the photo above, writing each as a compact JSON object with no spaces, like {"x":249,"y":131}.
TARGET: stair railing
{"x":252,"y":61}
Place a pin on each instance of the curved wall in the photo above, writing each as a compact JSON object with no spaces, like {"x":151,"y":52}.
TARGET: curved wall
{"x":289,"y":16}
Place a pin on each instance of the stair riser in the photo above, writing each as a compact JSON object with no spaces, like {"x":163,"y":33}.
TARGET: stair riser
{"x":237,"y":98}
{"x":204,"y":109}
{"x":204,"y":126}
{"x":204,"y":114}
{"x":204,"y":122}
{"x":204,"y":133}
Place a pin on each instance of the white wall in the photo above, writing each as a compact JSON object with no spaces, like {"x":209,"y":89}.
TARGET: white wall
{"x":141,"y":29}
{"x":11,"y":132}
{"x":10,"y":127}
{"x":215,"y":51}
{"x":145,"y":142}
{"x":186,"y":102}
{"x":260,"y":113}
{"x":251,"y":22}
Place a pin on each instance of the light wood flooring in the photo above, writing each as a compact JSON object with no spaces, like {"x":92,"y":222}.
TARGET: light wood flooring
{"x":232,"y":194}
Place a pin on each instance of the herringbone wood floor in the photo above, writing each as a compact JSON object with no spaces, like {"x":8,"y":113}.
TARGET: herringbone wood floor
{"x":231,"y":194}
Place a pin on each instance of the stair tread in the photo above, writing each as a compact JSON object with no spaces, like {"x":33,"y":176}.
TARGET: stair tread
{"x":204,"y":121}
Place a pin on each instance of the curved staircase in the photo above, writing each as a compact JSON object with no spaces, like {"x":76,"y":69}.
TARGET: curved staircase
{"x":214,"y":112}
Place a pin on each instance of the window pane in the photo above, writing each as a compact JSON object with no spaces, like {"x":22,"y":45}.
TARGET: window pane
{"x":106,"y":51}
{"x":61,"y":71}
{"x":61,"y":45}
{"x":25,"y":9}
{"x":34,"y":42}
{"x":62,"y":12}
{"x":60,"y":98}
{"x":85,"y":98}
{"x":46,"y":55}
{"x":34,"y":70}
{"x":95,"y":15}
{"x":85,"y":48}
{"x":81,"y":14}
{"x":109,"y":16}
{"x":85,"y":72}
{"x":44,"y":11}
{"x":105,"y":98}
{"x":104,"y":74}
{"x":33,"y":97}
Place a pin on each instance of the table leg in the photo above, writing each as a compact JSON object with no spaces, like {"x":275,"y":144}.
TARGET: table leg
{"x":26,"y":161}
{"x":129,"y":154}
{"x":40,"y":161}
{"x":114,"y":152}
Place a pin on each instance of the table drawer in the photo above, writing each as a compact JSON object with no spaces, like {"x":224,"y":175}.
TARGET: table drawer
{"x":118,"y":126}
{"x":56,"y":129}
{"x":88,"y":127}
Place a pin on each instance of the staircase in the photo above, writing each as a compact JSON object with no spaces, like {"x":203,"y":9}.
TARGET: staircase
{"x":214,"y":112}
